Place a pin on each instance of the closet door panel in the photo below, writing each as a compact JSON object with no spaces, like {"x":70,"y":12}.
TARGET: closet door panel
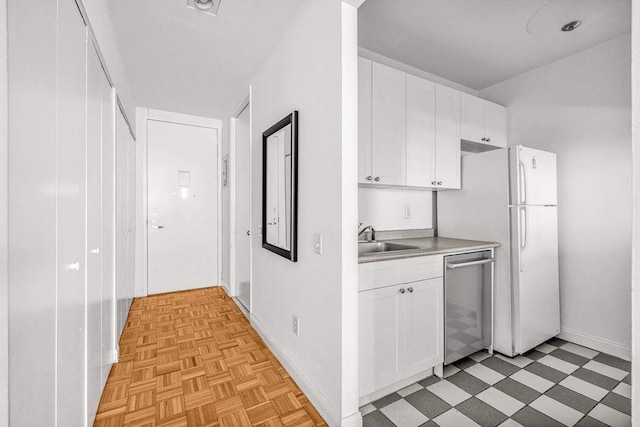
{"x":108,"y":228}
{"x":32,"y":212}
{"x":94,"y":233}
{"x":122,"y":225}
{"x":71,"y":200}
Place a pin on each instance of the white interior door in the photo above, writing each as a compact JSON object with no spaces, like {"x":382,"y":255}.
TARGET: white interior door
{"x":243,"y":208}
{"x":183,"y":206}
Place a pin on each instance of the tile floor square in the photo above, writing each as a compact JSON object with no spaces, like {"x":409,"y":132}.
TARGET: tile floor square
{"x":450,"y":393}
{"x":610,"y":416}
{"x":402,"y":413}
{"x":454,"y":418}
{"x":501,"y":401}
{"x":485,"y":374}
{"x":556,"y":410}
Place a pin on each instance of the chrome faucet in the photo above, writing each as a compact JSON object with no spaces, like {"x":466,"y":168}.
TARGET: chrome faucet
{"x":368,"y":227}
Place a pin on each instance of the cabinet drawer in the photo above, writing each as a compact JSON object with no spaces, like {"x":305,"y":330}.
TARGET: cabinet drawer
{"x":375,"y":275}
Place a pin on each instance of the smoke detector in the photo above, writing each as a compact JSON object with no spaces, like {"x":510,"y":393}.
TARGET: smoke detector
{"x":209,"y":7}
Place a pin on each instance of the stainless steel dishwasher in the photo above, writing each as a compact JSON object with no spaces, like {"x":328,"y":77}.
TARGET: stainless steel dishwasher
{"x":468,"y":312}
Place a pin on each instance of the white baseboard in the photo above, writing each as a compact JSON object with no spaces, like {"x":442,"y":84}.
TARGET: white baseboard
{"x":226,"y":287}
{"x":354,"y":420}
{"x":312,"y":393}
{"x":596,"y":343}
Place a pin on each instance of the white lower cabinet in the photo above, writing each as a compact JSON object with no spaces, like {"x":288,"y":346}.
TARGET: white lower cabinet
{"x":400,"y":331}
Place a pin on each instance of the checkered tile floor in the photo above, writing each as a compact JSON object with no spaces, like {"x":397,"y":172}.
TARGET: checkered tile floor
{"x":558,"y":383}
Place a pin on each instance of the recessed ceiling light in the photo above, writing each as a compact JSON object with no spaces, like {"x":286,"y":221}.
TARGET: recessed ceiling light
{"x":209,"y":7}
{"x":571,"y":26}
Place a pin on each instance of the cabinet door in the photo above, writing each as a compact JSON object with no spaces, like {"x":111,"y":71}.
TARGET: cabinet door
{"x":472,"y":118}
{"x":364,"y":121}
{"x":447,"y":137}
{"x":421,"y":114}
{"x":495,"y":124}
{"x":388,"y":145}
{"x":423,"y":318}
{"x":380,"y":338}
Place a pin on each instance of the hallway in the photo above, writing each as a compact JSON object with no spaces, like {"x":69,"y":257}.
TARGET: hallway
{"x":192,"y":359}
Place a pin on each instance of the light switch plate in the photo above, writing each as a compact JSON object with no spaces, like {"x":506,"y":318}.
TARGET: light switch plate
{"x":317,"y":243}
{"x":407,"y":211}
{"x":296,"y":325}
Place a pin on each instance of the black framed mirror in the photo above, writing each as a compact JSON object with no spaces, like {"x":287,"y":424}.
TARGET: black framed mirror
{"x":280,"y":188}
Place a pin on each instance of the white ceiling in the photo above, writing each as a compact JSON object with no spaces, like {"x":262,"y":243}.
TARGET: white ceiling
{"x":181,"y":60}
{"x":478,"y":43}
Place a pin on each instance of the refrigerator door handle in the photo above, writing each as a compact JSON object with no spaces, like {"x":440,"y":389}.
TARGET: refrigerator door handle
{"x":523,"y":183}
{"x":523,"y":234}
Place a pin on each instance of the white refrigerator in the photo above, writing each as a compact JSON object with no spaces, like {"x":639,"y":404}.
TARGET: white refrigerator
{"x":509,"y":196}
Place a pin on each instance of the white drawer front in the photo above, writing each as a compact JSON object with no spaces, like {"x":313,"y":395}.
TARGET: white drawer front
{"x":375,"y":275}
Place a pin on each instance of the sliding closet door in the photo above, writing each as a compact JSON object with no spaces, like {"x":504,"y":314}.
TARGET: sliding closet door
{"x":108,"y":228}
{"x":32,"y":212}
{"x":131,"y":220}
{"x":94,"y":232}
{"x":122,"y":224}
{"x":70,"y":324}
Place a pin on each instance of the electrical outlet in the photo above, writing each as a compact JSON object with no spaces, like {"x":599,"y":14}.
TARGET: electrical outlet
{"x":407,"y":211}
{"x":317,"y":243}
{"x":296,"y":325}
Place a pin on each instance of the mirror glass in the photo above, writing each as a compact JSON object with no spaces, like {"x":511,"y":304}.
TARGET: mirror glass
{"x":279,"y":187}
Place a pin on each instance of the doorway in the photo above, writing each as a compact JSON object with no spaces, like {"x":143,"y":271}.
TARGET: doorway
{"x":182,"y":206}
{"x":242,"y":236}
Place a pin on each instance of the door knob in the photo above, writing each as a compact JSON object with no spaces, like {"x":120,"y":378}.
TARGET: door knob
{"x":410,"y":290}
{"x":377,"y":179}
{"x":433,"y":183}
{"x":75,"y":266}
{"x":95,"y":251}
{"x":439,"y":182}
{"x":248,"y":232}
{"x":369,"y":178}
{"x":402,"y":290}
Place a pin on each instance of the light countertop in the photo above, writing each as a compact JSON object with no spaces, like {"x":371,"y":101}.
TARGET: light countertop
{"x":427,"y":246}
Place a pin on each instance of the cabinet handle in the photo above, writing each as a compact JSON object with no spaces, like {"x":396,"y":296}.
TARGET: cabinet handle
{"x":402,"y":290}
{"x":484,"y":139}
{"x":439,"y":182}
{"x":377,"y":179}
{"x":410,"y":290}
{"x":488,"y":139}
{"x":433,"y":183}
{"x":369,"y":178}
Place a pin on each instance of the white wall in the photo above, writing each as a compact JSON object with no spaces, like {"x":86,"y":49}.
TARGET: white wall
{"x":304,"y":72}
{"x":4,"y":319}
{"x":384,"y":208}
{"x":579,"y":107}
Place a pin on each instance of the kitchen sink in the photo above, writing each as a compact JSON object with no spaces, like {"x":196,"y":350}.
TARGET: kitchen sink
{"x":377,"y":247}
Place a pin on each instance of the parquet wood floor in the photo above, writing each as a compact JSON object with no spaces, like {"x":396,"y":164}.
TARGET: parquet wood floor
{"x":192,"y":359}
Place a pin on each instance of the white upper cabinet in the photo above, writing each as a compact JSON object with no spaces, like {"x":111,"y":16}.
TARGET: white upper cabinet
{"x":420,"y":128}
{"x":410,"y":129}
{"x":472,"y":120}
{"x":388,"y":126}
{"x":447,"y":156}
{"x":364,"y":120}
{"x":483,"y":122}
{"x":495,"y":123}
